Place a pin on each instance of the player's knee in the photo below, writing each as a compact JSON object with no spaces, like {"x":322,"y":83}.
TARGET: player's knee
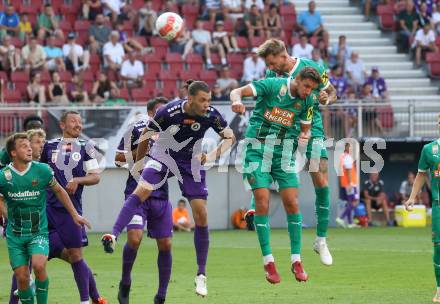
{"x":164,"y":244}
{"x":323,"y":166}
{"x":75,"y":255}
{"x":200,"y":216}
{"x":134,"y":241}
{"x":39,"y":269}
{"x":22,"y":280}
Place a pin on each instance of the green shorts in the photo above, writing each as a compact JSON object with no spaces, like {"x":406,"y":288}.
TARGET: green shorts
{"x":260,"y":171}
{"x":21,"y":248}
{"x":316,"y":148}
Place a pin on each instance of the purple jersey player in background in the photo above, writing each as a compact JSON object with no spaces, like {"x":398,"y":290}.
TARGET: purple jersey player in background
{"x":156,"y":212}
{"x":180,"y":126}
{"x":75,"y":166}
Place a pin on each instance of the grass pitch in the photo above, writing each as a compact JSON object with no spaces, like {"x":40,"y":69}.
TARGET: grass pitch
{"x":374,"y":266}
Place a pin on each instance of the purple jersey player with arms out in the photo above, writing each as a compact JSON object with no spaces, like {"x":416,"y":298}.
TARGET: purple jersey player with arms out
{"x":181,"y":126}
{"x":75,"y":166}
{"x":156,"y":212}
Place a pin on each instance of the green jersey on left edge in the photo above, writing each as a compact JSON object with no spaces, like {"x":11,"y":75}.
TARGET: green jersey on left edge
{"x":276,"y":112}
{"x":25,"y":196}
{"x":317,"y":127}
{"x":4,"y":158}
{"x":430,"y":160}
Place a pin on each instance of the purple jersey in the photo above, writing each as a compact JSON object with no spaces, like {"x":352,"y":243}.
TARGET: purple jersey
{"x":68,"y":159}
{"x":184,"y":127}
{"x":132,"y":144}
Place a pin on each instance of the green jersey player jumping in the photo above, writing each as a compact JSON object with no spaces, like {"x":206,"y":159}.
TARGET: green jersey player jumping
{"x":280,"y":64}
{"x":282,"y":116}
{"x":23,"y":185}
{"x":430,"y":161}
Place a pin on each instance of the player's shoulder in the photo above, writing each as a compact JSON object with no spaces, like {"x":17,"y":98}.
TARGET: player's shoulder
{"x":54,"y":141}
{"x":433,"y":145}
{"x":172,"y":107}
{"x":40,"y":167}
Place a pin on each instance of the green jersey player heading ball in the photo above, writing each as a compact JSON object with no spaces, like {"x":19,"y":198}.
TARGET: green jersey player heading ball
{"x":280,"y":64}
{"x":23,"y":185}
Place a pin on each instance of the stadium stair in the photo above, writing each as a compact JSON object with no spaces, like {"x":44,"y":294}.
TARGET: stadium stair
{"x":376,"y":49}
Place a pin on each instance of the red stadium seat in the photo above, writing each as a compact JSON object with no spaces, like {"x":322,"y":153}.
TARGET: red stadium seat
{"x":294,"y":40}
{"x":4,"y":77}
{"x":243,"y":43}
{"x":289,"y":23}
{"x":168,"y":78}
{"x":386,"y":17}
{"x":209,"y":77}
{"x":314,"y":41}
{"x":141,"y":40}
{"x":170,"y":92}
{"x":152,"y":64}
{"x":88,"y":76}
{"x":434,"y":70}
{"x":386,"y":116}
{"x":12,"y":96}
{"x":17,"y":42}
{"x":257,"y":41}
{"x":287,"y":10}
{"x":228,"y":25}
{"x":215,"y":58}
{"x":160,"y":46}
{"x":174,"y":61}
{"x":236,"y":73}
{"x":20,"y":81}
{"x":437,"y":41}
{"x":189,"y":74}
{"x":82,"y":25}
{"x":45,"y":77}
{"x":30,"y":8}
{"x":432,"y":57}
{"x":235,"y":59}
{"x":141,"y":95}
{"x":65,"y":26}
{"x":208,"y":26}
{"x":65,"y":76}
{"x":190,"y":9}
{"x":124,"y":94}
{"x":194,"y":62}
{"x":157,"y":5}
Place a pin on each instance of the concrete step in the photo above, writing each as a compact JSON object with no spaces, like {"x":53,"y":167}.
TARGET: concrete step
{"x":330,"y":10}
{"x":407,"y":91}
{"x":408,"y":82}
{"x":329,"y":19}
{"x":356,"y":34}
{"x":320,"y":3}
{"x":412,"y":74}
{"x":359,"y":42}
{"x":417,"y":98}
{"x":379,"y":58}
{"x":341,"y":26}
{"x":401,"y":66}
{"x":375,"y":49}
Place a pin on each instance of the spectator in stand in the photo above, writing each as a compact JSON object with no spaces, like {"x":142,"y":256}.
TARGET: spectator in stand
{"x":113,"y":52}
{"x":183,"y":45}
{"x":406,"y":187}
{"x":181,"y":219}
{"x":340,"y":52}
{"x":99,"y":34}
{"x":408,"y":21}
{"x":102,"y":88}
{"x":424,"y":42}
{"x":217,"y":94}
{"x":147,"y":19}
{"x":115,"y":99}
{"x":303,"y":48}
{"x":249,"y":3}
{"x":272,"y":23}
{"x":225,"y":82}
{"x":424,"y":16}
{"x":375,"y":197}
{"x":399,"y":6}
{"x":25,"y":26}
{"x":57,"y":90}
{"x":310,"y":22}
{"x":373,"y":123}
{"x":10,"y":57}
{"x":316,"y":57}
{"x":436,"y":19}
{"x":75,"y":57}
{"x":323,"y":51}
{"x":203,"y":45}
{"x":129,"y":44}
{"x":168,"y":6}
{"x":113,"y":9}
{"x":339,"y":81}
{"x":48,"y":24}
{"x":220,"y":36}
{"x":371,"y":4}
{"x":378,"y":85}
{"x":429,"y":5}
{"x":35,"y":90}
{"x":132,"y":72}
{"x":54,"y":56}
{"x":33,"y":55}
{"x":214,"y":10}
{"x":356,"y":72}
{"x":77,"y":90}
{"x":9,"y":23}
{"x":91,"y":9}
{"x":234,"y":9}
{"x":253,"y":67}
{"x":254,"y":22}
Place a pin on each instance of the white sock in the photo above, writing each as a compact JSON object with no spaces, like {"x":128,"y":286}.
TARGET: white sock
{"x":223,"y":60}
{"x":295,"y":258}
{"x":84,"y":302}
{"x":268,"y":258}
{"x":208,"y":61}
{"x":320,"y":239}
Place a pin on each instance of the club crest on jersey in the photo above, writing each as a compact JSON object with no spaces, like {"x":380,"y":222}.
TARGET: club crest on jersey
{"x":280,"y":116}
{"x":283,"y":90}
{"x":54,"y":156}
{"x":76,"y":156}
{"x":297,"y":106}
{"x":195,"y":126}
{"x":8,"y":174}
{"x":434,"y":149}
{"x":34,"y":183}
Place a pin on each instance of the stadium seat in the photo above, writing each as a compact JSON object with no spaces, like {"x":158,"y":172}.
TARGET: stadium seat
{"x":82,"y":25}
{"x":235,"y":59}
{"x":208,"y":26}
{"x":12,"y":96}
{"x":169,"y":92}
{"x":236,"y":73}
{"x":157,"y":5}
{"x":141,"y":40}
{"x":194,"y":62}
{"x":243,"y":43}
{"x":289,"y":23}
{"x":20,"y":80}
{"x":314,"y":41}
{"x":45,"y":77}
{"x":136,"y":4}
{"x":386,"y":116}
{"x":190,"y":13}
{"x":88,"y":76}
{"x":433,"y":61}
{"x":30,"y":8}
{"x":17,"y":42}
{"x":437,"y":41}
{"x":189,"y":74}
{"x":386,"y":17}
{"x":7,"y":124}
{"x":287,"y":10}
{"x":141,"y":95}
{"x":174,"y":61}
{"x":228,"y":26}
{"x":160,"y":46}
{"x":152,"y":64}
{"x":124,"y":94}
{"x":215,"y":58}
{"x":168,"y":79}
{"x":209,"y":77}
{"x":65,"y":76}
{"x":257,"y":41}
{"x":65,"y":26}
{"x":4,"y":77}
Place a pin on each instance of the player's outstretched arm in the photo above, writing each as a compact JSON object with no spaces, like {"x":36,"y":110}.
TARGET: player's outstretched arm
{"x":142,"y":149}
{"x":228,"y":140}
{"x":64,"y":198}
{"x":236,"y":96}
{"x":418,"y":184}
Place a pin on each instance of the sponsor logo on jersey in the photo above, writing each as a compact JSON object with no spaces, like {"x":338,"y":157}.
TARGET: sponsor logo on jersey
{"x":34,"y":182}
{"x":195,"y":126}
{"x":188,"y":121}
{"x":76,"y":156}
{"x":67,"y":147}
{"x":283,"y":90}
{"x":24,"y":194}
{"x":54,"y":156}
{"x":8,"y":174}
{"x":280,"y":116}
{"x":324,"y":78}
{"x":154,"y":164}
{"x":297,"y":105}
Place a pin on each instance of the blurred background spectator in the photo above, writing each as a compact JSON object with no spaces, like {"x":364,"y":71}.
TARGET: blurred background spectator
{"x":102,"y":88}
{"x":226,"y":83}
{"x":303,"y":48}
{"x":424,"y":41}
{"x":375,"y":198}
{"x":272,"y":23}
{"x":35,"y":90}
{"x":253,"y":68}
{"x":9,"y":23}
{"x":57,"y":91}
{"x":340,"y":52}
{"x":408,"y":22}
{"x":310,"y":21}
{"x":356,"y":72}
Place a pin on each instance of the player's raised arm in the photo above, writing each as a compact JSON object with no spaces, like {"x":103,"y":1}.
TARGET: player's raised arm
{"x":228,"y":140}
{"x":328,"y":96}
{"x":64,"y":198}
{"x":236,"y":96}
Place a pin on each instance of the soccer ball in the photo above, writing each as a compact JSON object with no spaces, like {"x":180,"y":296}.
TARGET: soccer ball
{"x":169,"y":26}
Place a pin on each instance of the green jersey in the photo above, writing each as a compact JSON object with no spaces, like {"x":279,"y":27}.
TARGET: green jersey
{"x":430,"y":160}
{"x":25,"y":196}
{"x":277,"y":113}
{"x":301,"y":63}
{"x":4,"y":158}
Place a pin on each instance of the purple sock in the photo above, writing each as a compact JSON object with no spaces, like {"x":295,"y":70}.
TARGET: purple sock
{"x":347,"y":212}
{"x":13,"y":299}
{"x":93,"y":290}
{"x":201,"y":242}
{"x":127,"y":212}
{"x":81,"y":274}
{"x":128,"y":256}
{"x":164,"y":263}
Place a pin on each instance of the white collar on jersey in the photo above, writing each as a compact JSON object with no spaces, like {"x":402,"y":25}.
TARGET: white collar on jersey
{"x":296,"y":65}
{"x":21,"y":173}
{"x":289,"y":80}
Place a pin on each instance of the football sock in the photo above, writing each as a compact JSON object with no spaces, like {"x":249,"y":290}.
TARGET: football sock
{"x":127,"y":212}
{"x":268,"y":258}
{"x":295,"y":258}
{"x":81,"y":274}
{"x":128,"y":257}
{"x":26,"y":296}
{"x":201,"y":243}
{"x":263,"y":231}
{"x":294,"y":227}
{"x":252,"y":204}
{"x":93,"y":290}
{"x":347,"y":212}
{"x":164,"y":264}
{"x":42,"y":291}
{"x":436,"y":260}
{"x":13,"y":299}
{"x":322,"y":204}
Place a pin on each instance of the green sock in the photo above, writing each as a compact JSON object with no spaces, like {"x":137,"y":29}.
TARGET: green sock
{"x":322,"y":208}
{"x":26,"y":296}
{"x":263,"y":232}
{"x":294,"y":226}
{"x":252,"y":204}
{"x":42,"y":291}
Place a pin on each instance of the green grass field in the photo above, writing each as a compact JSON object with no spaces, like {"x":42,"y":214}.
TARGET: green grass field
{"x":375,"y":265}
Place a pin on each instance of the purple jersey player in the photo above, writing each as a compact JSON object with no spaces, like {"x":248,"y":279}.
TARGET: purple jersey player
{"x":180,"y":127}
{"x":75,"y":166}
{"x":156,"y":212}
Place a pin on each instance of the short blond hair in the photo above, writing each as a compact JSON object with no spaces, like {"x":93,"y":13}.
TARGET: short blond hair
{"x":272,"y":47}
{"x":35,"y":132}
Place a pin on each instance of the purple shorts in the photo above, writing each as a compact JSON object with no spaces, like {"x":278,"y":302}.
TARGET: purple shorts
{"x":349,"y":197}
{"x":63,"y":232}
{"x":192,"y":187}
